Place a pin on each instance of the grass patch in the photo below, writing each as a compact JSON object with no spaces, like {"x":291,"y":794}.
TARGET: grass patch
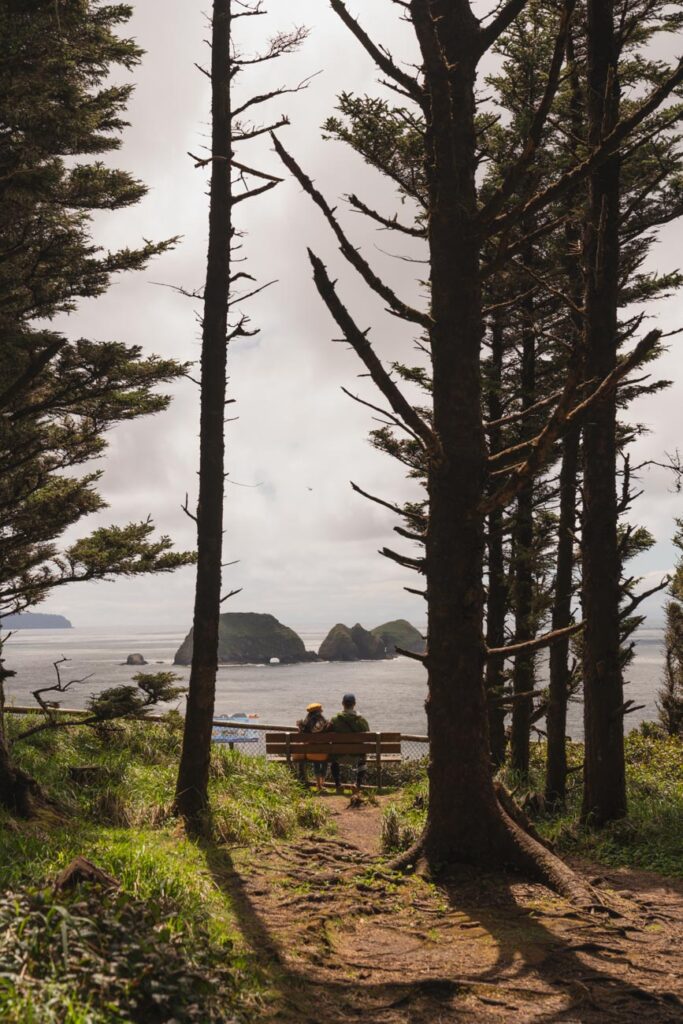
{"x":114,"y":789}
{"x":651,"y":837}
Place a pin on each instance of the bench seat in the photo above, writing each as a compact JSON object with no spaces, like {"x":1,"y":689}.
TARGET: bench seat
{"x":377,"y":747}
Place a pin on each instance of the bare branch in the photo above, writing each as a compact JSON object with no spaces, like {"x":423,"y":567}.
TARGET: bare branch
{"x":502,"y":21}
{"x":358,"y":341}
{"x":352,"y":255}
{"x":411,"y":654}
{"x":388,"y":222}
{"x":254,"y":192}
{"x":544,"y":640}
{"x":381,"y":57}
{"x":383,"y":412}
{"x":186,"y":509}
{"x":264,"y":97}
{"x":404,"y":513}
{"x":404,"y":560}
{"x":257,"y":174}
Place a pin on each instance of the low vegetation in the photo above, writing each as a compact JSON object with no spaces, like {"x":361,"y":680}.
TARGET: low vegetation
{"x":163,"y":945}
{"x":650,"y":837}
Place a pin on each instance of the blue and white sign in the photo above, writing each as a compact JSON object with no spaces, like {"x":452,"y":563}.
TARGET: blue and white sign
{"x":231,"y":735}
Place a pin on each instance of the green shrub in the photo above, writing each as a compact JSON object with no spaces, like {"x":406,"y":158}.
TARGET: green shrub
{"x":93,"y":955}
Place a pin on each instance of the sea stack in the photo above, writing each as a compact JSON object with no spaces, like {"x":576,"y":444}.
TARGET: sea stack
{"x":400,"y":633}
{"x":355,"y":644}
{"x":251,"y":638}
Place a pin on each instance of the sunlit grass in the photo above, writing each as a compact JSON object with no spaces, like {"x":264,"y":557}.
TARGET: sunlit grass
{"x":113,"y":804}
{"x":650,"y":837}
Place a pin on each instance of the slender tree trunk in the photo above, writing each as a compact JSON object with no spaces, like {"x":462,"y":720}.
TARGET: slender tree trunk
{"x":558,"y":689}
{"x":192,"y":785}
{"x":496,"y":604}
{"x":604,"y":797}
{"x":523,"y":674}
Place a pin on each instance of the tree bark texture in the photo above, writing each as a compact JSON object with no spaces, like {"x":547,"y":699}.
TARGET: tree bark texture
{"x":193,"y":776}
{"x":465,"y":821}
{"x":604,"y":797}
{"x":559,"y":672}
{"x":496,"y":604}
{"x":558,"y":686}
{"x":523,"y":673}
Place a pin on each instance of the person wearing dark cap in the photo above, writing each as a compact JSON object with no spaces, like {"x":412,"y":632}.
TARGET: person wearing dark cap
{"x":314,"y":721}
{"x":348,"y":720}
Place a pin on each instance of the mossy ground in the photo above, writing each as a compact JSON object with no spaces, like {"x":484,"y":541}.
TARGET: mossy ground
{"x":114,"y":795}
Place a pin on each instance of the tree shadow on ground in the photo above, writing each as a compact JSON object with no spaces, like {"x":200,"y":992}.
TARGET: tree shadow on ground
{"x":537,"y":972}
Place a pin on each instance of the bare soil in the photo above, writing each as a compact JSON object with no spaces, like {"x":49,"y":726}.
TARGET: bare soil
{"x":340,"y":938}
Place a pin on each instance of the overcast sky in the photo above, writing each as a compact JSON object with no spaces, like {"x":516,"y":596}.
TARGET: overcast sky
{"x":307,"y":545}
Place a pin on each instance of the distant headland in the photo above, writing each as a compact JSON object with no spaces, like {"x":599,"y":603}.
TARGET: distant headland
{"x":35,"y":620}
{"x":251,"y":638}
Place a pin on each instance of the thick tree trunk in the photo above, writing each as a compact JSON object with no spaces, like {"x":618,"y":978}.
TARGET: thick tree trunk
{"x":192,"y":785}
{"x":465,"y":821}
{"x":496,"y":604}
{"x":558,"y":688}
{"x":523,"y":673}
{"x":604,"y":797}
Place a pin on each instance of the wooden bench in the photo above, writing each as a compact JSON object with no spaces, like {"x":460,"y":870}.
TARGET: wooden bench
{"x":379,"y":747}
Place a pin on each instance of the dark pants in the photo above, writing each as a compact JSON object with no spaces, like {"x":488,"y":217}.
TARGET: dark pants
{"x":360,"y":768}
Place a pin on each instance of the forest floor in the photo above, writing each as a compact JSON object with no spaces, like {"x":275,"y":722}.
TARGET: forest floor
{"x":339,"y":938}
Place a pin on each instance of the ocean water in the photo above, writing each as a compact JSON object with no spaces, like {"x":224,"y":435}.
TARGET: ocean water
{"x":390,"y":694}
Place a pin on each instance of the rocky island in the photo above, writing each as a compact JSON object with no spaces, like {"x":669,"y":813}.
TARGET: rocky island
{"x":358,"y":644}
{"x":400,"y":633}
{"x":248,"y":638}
{"x":355,"y":644}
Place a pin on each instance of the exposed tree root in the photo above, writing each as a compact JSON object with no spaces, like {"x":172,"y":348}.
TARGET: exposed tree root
{"x":409,"y":858}
{"x":522,"y":849}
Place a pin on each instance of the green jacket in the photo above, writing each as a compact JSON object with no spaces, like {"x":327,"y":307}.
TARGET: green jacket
{"x":348,"y":721}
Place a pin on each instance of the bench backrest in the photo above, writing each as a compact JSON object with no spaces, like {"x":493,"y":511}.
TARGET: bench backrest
{"x":287,"y":743}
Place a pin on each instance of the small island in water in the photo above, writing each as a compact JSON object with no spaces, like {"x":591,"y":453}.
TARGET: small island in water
{"x":35,"y":620}
{"x":358,"y":644}
{"x":250,"y":638}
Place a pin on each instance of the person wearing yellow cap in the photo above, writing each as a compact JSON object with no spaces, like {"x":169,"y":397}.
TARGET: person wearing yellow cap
{"x":314,"y":721}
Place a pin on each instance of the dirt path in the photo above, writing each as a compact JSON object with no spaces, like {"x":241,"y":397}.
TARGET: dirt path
{"x":341,"y":939}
